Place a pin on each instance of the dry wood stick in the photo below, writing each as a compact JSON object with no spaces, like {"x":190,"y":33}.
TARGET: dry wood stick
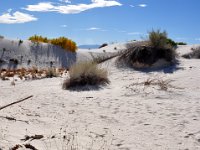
{"x":16,"y":102}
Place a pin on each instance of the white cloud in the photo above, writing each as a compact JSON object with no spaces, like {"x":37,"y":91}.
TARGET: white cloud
{"x":93,"y":28}
{"x":142,"y":5}
{"x":65,"y":1}
{"x":16,"y":17}
{"x":63,"y":26}
{"x":135,"y":33}
{"x":197,"y":39}
{"x":132,"y":6}
{"x":71,"y":9}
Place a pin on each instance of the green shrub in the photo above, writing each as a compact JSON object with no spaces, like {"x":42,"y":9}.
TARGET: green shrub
{"x":181,"y":43}
{"x":86,"y":73}
{"x":171,"y":42}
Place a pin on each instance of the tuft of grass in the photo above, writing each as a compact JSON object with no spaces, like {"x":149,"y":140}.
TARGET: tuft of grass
{"x":86,"y":73}
{"x":158,"y":39}
{"x":51,"y":72}
{"x":162,"y":84}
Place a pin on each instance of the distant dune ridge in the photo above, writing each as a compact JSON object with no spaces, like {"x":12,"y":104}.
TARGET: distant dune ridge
{"x":18,"y":53}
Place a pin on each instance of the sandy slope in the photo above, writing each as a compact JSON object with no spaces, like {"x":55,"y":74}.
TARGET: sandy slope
{"x":40,"y":54}
{"x":123,"y":115}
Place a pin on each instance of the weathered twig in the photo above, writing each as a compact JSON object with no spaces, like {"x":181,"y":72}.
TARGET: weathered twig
{"x":34,"y":137}
{"x":15,"y":102}
{"x":13,"y":119}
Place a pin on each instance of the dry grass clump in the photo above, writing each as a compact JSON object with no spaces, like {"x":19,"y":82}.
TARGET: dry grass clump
{"x":52,"y":72}
{"x":162,"y":84}
{"x":145,"y":54}
{"x":86,"y":73}
{"x":194,"y":54}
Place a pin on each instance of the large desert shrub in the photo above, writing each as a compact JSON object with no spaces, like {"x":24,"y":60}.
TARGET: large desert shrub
{"x":194,"y":54}
{"x":155,"y":52}
{"x":86,"y":73}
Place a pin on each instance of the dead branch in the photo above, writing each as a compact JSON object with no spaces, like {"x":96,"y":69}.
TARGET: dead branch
{"x":13,"y":119}
{"x":15,"y":102}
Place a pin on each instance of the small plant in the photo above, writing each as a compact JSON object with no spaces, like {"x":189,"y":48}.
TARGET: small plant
{"x":86,"y":73}
{"x":171,"y":42}
{"x":162,"y":84}
{"x":14,"y":61}
{"x":51,"y":72}
{"x":103,"y":45}
{"x":20,"y":42}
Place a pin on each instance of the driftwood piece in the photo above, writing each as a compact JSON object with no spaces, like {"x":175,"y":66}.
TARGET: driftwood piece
{"x":15,"y":102}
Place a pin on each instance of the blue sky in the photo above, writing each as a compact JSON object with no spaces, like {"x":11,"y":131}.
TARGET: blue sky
{"x":99,"y":21}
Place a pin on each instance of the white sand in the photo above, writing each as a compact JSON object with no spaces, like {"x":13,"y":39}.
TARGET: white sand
{"x":124,"y":115}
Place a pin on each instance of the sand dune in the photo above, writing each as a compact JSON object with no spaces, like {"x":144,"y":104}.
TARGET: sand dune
{"x":125,"y":115}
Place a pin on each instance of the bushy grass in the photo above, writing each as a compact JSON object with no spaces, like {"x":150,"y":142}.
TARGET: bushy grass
{"x":145,"y":54}
{"x":194,"y":54}
{"x":159,"y":39}
{"x":86,"y":73}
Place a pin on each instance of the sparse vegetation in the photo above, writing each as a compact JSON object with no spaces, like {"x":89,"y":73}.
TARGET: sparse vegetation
{"x":194,"y":54}
{"x":20,"y":42}
{"x":145,"y":54}
{"x":63,"y":42}
{"x":86,"y":73}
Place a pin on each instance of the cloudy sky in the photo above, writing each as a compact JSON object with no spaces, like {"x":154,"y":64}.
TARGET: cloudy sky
{"x":99,"y":21}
